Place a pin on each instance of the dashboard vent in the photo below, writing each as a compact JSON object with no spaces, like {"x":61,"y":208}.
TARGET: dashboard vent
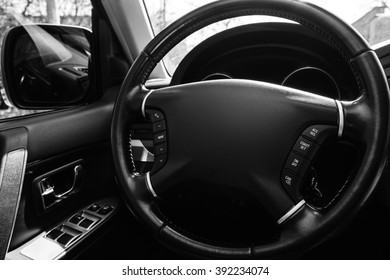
{"x":384,"y":57}
{"x":385,"y":61}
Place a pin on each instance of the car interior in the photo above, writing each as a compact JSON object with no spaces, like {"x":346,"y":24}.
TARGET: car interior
{"x":270,"y":140}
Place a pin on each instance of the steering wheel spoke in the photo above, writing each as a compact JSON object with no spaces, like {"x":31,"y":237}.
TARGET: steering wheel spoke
{"x":295,"y":234}
{"x":358,"y":121}
{"x":144,"y":200}
{"x":303,"y":221}
{"x":134,"y":101}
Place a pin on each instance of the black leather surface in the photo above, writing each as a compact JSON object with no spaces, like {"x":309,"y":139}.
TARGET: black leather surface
{"x":187,"y":245}
{"x":235,"y":134}
{"x":128,"y":109}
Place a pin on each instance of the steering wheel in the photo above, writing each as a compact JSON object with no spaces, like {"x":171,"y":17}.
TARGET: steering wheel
{"x":259,"y":126}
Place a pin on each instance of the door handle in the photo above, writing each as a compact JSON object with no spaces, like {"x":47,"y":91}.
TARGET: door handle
{"x":56,"y":186}
{"x":76,"y":178}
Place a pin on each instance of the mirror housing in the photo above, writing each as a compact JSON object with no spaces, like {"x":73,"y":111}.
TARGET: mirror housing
{"x":46,"y":66}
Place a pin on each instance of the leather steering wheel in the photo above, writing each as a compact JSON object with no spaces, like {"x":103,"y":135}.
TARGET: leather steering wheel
{"x":256,"y":125}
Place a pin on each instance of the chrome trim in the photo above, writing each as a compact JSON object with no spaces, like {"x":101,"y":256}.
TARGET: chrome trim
{"x":341,"y":118}
{"x":149,"y":185}
{"x":291,"y":212}
{"x":140,"y":153}
{"x":43,"y":249}
{"x":76,"y":173}
{"x":144,"y":103}
{"x":312,"y":69}
{"x":225,"y":76}
{"x":157,"y":83}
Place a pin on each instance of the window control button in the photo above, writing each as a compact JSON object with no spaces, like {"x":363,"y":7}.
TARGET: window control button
{"x":297,"y":164}
{"x":306,"y":148}
{"x":86,"y":223}
{"x":105,"y":210}
{"x":94,"y":207}
{"x":76,"y":219}
{"x":54,"y":234}
{"x":65,"y":239}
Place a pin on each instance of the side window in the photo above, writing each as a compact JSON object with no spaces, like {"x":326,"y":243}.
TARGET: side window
{"x":20,"y":12}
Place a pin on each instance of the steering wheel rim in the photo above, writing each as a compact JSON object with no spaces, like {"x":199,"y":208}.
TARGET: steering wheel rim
{"x":363,"y":121}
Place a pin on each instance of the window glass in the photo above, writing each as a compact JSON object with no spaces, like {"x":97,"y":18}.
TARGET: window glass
{"x":370,"y":17}
{"x":20,"y":12}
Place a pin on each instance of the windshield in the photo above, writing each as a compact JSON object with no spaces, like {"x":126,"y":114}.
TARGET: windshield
{"x":370,"y":17}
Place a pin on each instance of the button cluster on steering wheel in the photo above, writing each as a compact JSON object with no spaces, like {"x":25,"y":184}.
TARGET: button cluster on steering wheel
{"x":300,"y":157}
{"x":159,"y":138}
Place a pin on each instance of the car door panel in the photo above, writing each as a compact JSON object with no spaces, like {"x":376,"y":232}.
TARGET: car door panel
{"x":56,"y":139}
{"x":57,"y":132}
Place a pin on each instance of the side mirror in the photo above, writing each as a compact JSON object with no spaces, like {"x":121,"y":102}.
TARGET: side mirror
{"x":46,"y":66}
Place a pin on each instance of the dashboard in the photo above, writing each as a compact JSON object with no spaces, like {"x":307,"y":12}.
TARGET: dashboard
{"x":280,"y":53}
